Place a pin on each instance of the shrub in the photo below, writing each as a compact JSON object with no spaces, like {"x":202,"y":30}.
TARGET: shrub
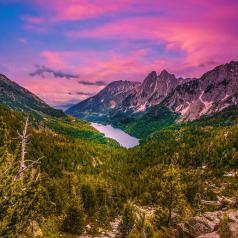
{"x":74,"y":221}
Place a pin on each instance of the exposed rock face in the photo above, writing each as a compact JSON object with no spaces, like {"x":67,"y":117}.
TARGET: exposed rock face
{"x":207,"y":225}
{"x":213,"y":92}
{"x":125,"y":96}
{"x":108,"y":99}
{"x":151,"y":92}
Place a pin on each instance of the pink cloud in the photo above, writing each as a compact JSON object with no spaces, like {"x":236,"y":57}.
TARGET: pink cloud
{"x":204,"y":33}
{"x":200,"y":37}
{"x":71,"y":10}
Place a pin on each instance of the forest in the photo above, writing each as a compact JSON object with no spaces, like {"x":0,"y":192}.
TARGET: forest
{"x":76,"y":182}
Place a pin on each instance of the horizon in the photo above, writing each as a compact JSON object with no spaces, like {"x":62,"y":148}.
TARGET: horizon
{"x":65,"y":53}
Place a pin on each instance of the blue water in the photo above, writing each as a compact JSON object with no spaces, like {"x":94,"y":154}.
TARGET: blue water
{"x":119,"y":135}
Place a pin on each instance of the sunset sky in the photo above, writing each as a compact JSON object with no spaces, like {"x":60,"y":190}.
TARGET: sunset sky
{"x":67,"y":50}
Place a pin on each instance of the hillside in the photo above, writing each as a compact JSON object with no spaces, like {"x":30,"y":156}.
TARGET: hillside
{"x":106,"y":100}
{"x":20,"y":99}
{"x":85,"y":175}
{"x":74,"y":182}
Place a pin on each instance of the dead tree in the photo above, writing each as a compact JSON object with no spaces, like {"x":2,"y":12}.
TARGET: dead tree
{"x":24,"y":138}
{"x":24,"y":141}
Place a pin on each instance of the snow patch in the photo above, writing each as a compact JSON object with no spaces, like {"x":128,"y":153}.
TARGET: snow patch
{"x":207,"y":105}
{"x":227,"y":96}
{"x":141,"y":108}
{"x":112,"y":104}
{"x":185,"y":110}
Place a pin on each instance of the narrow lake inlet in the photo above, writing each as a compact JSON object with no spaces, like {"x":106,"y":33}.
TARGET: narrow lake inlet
{"x":117,"y":134}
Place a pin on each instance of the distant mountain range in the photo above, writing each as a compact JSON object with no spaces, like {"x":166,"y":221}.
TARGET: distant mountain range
{"x":189,"y":99}
{"x":18,"y":98}
{"x":141,"y":108}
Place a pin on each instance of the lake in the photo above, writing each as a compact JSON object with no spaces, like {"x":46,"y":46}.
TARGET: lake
{"x":117,"y":134}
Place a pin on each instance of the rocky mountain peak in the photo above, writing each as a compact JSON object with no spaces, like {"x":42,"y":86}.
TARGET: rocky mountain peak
{"x":213,"y":92}
{"x":191,"y":98}
{"x":164,"y":74}
{"x":107,"y":99}
{"x":150,"y":79}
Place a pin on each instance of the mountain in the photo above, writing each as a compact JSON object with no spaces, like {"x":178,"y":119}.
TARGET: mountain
{"x":215,"y":91}
{"x":182,"y":99}
{"x":106,"y":100}
{"x":20,"y":99}
{"x":151,"y":92}
{"x":121,"y":97}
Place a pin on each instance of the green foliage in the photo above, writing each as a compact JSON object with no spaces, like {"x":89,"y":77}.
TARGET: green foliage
{"x":155,"y":119}
{"x":20,"y":198}
{"x":148,"y":230}
{"x":74,"y":221}
{"x":160,"y":218}
{"x":86,"y":179}
{"x":88,"y":199}
{"x":224,"y":230}
{"x":127,"y":222}
{"x":77,"y":129}
{"x":171,"y":195}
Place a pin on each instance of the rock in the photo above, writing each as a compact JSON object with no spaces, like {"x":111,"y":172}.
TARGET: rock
{"x":36,"y":230}
{"x":234,"y":229}
{"x":210,"y":235}
{"x":88,"y":227}
{"x":193,"y":98}
{"x":207,"y":225}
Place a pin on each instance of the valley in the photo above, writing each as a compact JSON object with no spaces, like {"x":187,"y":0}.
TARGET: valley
{"x":84,"y":179}
{"x":119,"y":119}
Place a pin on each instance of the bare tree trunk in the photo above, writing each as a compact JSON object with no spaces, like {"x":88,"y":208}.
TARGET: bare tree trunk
{"x":23,"y":137}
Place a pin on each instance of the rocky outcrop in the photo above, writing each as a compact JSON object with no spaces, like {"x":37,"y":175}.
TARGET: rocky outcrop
{"x":106,"y":100}
{"x":207,"y":225}
{"x":151,"y":92}
{"x":213,"y":92}
{"x":191,"y":99}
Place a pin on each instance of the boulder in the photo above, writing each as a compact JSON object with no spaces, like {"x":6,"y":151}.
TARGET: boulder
{"x":207,"y":225}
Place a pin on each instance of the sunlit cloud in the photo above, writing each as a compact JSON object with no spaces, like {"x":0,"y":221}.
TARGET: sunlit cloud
{"x":103,"y":41}
{"x":97,"y":83}
{"x":41,"y":70}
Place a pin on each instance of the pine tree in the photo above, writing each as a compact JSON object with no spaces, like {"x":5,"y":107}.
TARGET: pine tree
{"x":88,"y":199}
{"x":171,"y":196}
{"x":127,"y":222}
{"x":74,"y":221}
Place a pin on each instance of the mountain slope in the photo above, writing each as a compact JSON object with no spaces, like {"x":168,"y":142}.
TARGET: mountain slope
{"x":20,"y":99}
{"x":213,"y":92}
{"x":162,"y":100}
{"x":106,"y":100}
{"x":151,"y":92}
{"x":125,"y":97}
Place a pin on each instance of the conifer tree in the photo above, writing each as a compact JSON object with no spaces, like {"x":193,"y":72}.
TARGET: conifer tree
{"x":171,"y":196}
{"x":127,"y":222}
{"x":88,"y":199}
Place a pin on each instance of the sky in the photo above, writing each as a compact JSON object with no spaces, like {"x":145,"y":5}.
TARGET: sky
{"x":66,"y":51}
